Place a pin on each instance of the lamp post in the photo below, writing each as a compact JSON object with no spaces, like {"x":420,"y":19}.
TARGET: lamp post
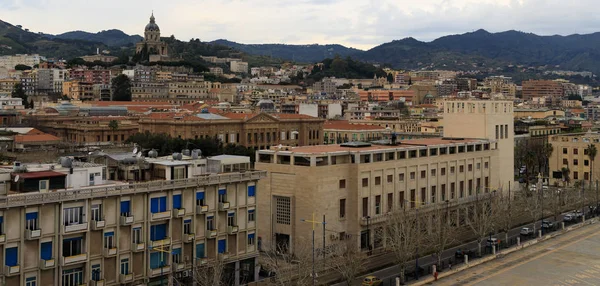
{"x":313,"y":222}
{"x":417,"y":246}
{"x":368,"y":236}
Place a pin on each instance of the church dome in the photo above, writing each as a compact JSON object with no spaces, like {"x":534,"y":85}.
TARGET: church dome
{"x":152,"y":25}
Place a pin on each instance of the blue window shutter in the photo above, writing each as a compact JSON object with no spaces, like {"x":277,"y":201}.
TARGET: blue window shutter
{"x":1,"y":219}
{"x":252,"y":191}
{"x":162,"y":207}
{"x":177,"y":201}
{"x":154,"y":205}
{"x":222,"y":192}
{"x":109,"y":233}
{"x":12,"y":256}
{"x":251,"y":236}
{"x":153,"y":232}
{"x":199,"y":195}
{"x":187,"y":220}
{"x":125,"y":207}
{"x":222,"y":245}
{"x":230,"y":214}
{"x":250,"y":211}
{"x":156,"y":260}
{"x":200,"y":250}
{"x":30,"y":216}
{"x":46,"y":250}
{"x":158,"y":232}
{"x":176,"y":251}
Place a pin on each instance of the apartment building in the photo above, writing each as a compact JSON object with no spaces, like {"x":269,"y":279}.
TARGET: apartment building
{"x":542,"y":88}
{"x":342,"y":131}
{"x":94,"y":76}
{"x":9,"y":62}
{"x":570,"y":152}
{"x":238,"y":66}
{"x":110,"y":233}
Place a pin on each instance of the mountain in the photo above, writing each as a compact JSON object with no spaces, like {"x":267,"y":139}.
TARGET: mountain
{"x":484,"y":49}
{"x":15,"y":40}
{"x":111,"y":38}
{"x":298,"y":53}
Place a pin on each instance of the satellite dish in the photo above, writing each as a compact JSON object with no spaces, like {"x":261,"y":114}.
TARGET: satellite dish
{"x":135,"y":150}
{"x":17,"y":177}
{"x":139,"y":154}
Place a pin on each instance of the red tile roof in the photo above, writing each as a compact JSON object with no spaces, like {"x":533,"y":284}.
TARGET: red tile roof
{"x":35,"y":138}
{"x":344,"y":125}
{"x":36,"y":175}
{"x":131,"y":103}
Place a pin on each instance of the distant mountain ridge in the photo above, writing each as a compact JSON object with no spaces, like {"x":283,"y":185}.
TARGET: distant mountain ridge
{"x":111,"y":38}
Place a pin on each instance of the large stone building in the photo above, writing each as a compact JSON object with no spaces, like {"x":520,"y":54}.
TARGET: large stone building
{"x":542,"y":88}
{"x":152,"y":42}
{"x":354,"y":185}
{"x":87,"y":130}
{"x":570,"y":152}
{"x":256,"y":130}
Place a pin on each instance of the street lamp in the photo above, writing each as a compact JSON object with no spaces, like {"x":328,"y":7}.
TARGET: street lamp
{"x":313,"y":222}
{"x":368,"y":236}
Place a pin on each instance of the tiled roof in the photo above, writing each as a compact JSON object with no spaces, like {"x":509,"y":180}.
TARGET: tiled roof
{"x":35,"y":175}
{"x":344,"y":125}
{"x":36,"y":138}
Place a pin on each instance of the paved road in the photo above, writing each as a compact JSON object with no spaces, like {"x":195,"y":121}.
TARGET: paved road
{"x":389,"y":274}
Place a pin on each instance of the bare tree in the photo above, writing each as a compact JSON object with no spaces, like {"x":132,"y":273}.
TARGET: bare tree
{"x":348,"y":260}
{"x":481,"y":217}
{"x":402,"y":237}
{"x":508,"y":211}
{"x":288,"y":268}
{"x":443,"y":231}
{"x":532,"y":203}
{"x":209,"y":272}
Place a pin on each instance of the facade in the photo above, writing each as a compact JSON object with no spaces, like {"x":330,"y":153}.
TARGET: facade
{"x":94,"y":76}
{"x":149,"y":91}
{"x":326,"y":85}
{"x":7,"y":85}
{"x":570,"y":152}
{"x":9,"y":62}
{"x":238,"y":67}
{"x":99,"y":58}
{"x":542,"y":88}
{"x":86,"y":130}
{"x":216,"y":70}
{"x":336,"y":132}
{"x":255,"y":130}
{"x":542,"y":130}
{"x":383,"y":95}
{"x":146,"y":233}
{"x":398,"y":126}
{"x":78,"y":90}
{"x":50,"y":80}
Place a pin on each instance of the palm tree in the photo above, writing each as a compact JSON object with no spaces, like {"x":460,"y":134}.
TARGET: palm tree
{"x":565,"y":174}
{"x":591,"y":151}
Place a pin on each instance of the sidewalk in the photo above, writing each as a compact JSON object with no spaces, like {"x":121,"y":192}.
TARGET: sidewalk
{"x":485,"y":267}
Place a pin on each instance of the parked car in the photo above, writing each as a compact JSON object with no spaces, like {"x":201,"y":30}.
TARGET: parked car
{"x":569,"y":217}
{"x":371,"y":281}
{"x":578,"y":213}
{"x":546,"y":224}
{"x":527,"y":231}
{"x":492,"y":241}
{"x":460,"y":254}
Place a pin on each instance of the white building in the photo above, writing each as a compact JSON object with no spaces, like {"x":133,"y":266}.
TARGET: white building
{"x":239,"y":67}
{"x":10,"y":62}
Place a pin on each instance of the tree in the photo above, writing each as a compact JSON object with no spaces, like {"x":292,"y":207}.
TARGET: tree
{"x":209,"y":273}
{"x":482,"y":214}
{"x":566,"y":175}
{"x":390,"y":78}
{"x":21,"y":67}
{"x":443,"y":231}
{"x":113,"y":125}
{"x":348,"y":261}
{"x":401,"y":238}
{"x":591,"y":151}
{"x":19,"y":92}
{"x":121,"y":86}
{"x":287,"y":268}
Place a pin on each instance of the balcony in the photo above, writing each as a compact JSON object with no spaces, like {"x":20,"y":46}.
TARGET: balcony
{"x":2,"y":238}
{"x":223,"y":206}
{"x":251,"y":200}
{"x":76,"y":227}
{"x":108,"y":252}
{"x":374,"y":219}
{"x":223,"y":256}
{"x":12,"y":270}
{"x":231,"y":229}
{"x":97,"y":283}
{"x":98,"y":224}
{"x":251,"y":224}
{"x":47,"y":264}
{"x":178,"y":212}
{"x":201,"y":261}
{"x":32,"y":234}
{"x":201,"y":209}
{"x":189,"y":237}
{"x":161,"y":243}
{"x":162,"y":215}
{"x":138,"y":247}
{"x":160,"y":270}
{"x":126,"y":220}
{"x":178,"y":266}
{"x":211,"y":233}
{"x":126,"y":278}
{"x":251,"y":248}
{"x":69,"y":260}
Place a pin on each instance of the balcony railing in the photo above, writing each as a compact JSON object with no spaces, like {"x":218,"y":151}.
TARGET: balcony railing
{"x":188,"y":237}
{"x":76,"y":227}
{"x":108,"y":252}
{"x":137,"y":247}
{"x":211,"y":233}
{"x":68,"y":260}
{"x":124,"y":278}
{"x":178,"y":266}
{"x":28,"y":199}
{"x":47,"y":264}
{"x":98,"y":224}
{"x":97,"y":283}
{"x":32,"y":234}
{"x":2,"y":238}
{"x":223,"y":206}
{"x":178,"y":212}
{"x":251,"y":224}
{"x":161,"y":243}
{"x":201,"y":209}
{"x":251,"y":200}
{"x":12,"y":270}
{"x":126,"y":220}
{"x":223,"y":256}
{"x":161,"y":215}
{"x":160,"y":270}
{"x":231,"y":229}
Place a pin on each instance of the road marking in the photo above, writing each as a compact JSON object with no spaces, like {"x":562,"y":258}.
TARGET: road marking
{"x":535,"y":257}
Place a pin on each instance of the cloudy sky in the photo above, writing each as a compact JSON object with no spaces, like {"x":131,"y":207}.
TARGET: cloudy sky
{"x":356,"y":23}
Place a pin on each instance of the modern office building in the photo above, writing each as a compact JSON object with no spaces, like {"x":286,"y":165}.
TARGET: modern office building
{"x":67,"y":224}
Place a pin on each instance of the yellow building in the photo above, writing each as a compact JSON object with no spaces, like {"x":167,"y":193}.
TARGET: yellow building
{"x":569,"y":151}
{"x":538,"y":113}
{"x":342,"y":131}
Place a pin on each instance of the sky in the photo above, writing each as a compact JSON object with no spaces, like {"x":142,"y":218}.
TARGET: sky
{"x":361,"y":24}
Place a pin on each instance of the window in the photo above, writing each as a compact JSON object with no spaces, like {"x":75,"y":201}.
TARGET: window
{"x":342,"y":208}
{"x":43,"y":185}
{"x":125,"y":266}
{"x":251,"y":239}
{"x":109,"y":240}
{"x":251,"y":215}
{"x":222,"y":195}
{"x":46,"y":250}
{"x":470,"y":167}
{"x":433,"y":172}
{"x":433,"y":190}
{"x":73,"y":216}
{"x":413,"y":198}
{"x":443,"y":192}
{"x":231,"y":219}
{"x":443,"y":171}
{"x":412,"y":175}
{"x":158,"y":205}
{"x":222,"y":246}
{"x":586,"y":162}
{"x":575,"y":151}
{"x":565,"y":151}
{"x":31,"y":221}
{"x":486,"y":165}
{"x":210,"y":223}
{"x":390,"y":202}
{"x":575,"y":175}
{"x":575,"y":162}
{"x":423,"y":174}
{"x":478,"y":166}
{"x":497,"y":132}
{"x":565,"y":161}
{"x":158,"y":232}
{"x":200,"y":199}
{"x":378,"y":204}
{"x":200,"y":250}
{"x":136,"y":235}
{"x":365,"y":207}
{"x":365,"y":182}
{"x":282,"y":208}
{"x":31,"y":281}
{"x":177,"y":201}
{"x":72,"y":277}
{"x":452,"y":169}
{"x":586,"y":175}
{"x":390,"y":178}
{"x":11,"y":256}
{"x":72,"y":246}
{"x":401,"y":177}
{"x":461,"y":186}
{"x":157,"y":260}
{"x":342,"y":184}
{"x":176,"y":255}
{"x":423,"y":195}
{"x":251,"y":191}
{"x":461,"y":168}
{"x":401,"y":199}
{"x":96,"y":213}
{"x":96,"y":271}
{"x":377,"y":181}
{"x":187,"y":226}
{"x":452,"y":191}
{"x":125,"y":208}
{"x":470,"y":186}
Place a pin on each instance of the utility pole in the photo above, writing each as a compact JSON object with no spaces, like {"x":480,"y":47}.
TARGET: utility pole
{"x":313,"y":222}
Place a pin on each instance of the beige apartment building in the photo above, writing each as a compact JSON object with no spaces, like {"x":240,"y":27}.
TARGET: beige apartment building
{"x":570,"y":152}
{"x":128,"y":234}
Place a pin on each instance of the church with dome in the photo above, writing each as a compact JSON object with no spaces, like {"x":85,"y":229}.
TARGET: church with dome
{"x":158,"y":50}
